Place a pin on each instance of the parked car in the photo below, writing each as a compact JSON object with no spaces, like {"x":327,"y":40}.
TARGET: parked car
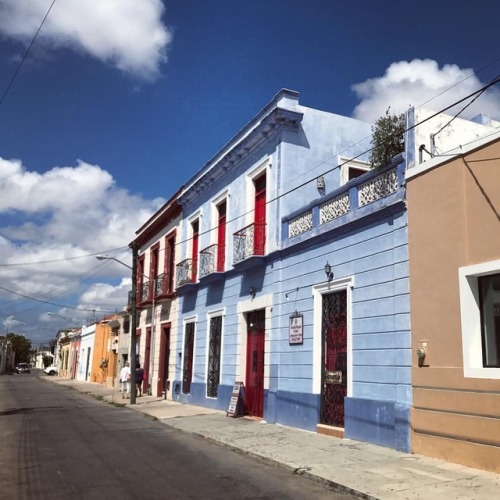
{"x":51,"y":370}
{"x":22,"y":368}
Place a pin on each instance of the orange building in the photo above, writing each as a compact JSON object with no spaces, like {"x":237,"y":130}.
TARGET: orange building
{"x":104,"y":358}
{"x":454,"y":249}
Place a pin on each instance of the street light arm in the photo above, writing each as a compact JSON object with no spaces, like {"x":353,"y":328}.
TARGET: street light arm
{"x":108,"y":257}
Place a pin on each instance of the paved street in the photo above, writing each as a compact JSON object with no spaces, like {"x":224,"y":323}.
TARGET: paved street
{"x":61,"y":444}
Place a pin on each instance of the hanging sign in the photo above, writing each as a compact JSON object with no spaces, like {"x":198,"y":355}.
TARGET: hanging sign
{"x":237,"y":401}
{"x":296,"y":332}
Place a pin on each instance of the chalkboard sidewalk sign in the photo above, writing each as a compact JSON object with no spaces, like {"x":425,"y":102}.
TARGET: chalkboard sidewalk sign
{"x":237,"y":402}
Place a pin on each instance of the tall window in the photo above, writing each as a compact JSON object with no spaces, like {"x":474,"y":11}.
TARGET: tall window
{"x":221,"y":236}
{"x":479,"y":286}
{"x":489,"y":293}
{"x":140,"y":280}
{"x":169,"y":264}
{"x":187,"y":371}
{"x":260,"y":215}
{"x":214,"y":348}
{"x":153,"y":269}
{"x":195,"y":231}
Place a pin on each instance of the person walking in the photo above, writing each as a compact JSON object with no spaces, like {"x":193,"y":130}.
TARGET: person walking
{"x":125,"y":381}
{"x":139,"y":375}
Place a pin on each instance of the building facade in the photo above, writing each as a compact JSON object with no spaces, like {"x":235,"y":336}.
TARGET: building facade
{"x":157,"y":242}
{"x":292,"y":279}
{"x":454,"y":248}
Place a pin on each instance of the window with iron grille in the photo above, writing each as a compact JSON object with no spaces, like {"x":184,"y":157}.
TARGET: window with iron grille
{"x":214,"y":348}
{"x":187,"y":372}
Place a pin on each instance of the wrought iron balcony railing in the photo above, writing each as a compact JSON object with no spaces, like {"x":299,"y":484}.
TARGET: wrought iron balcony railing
{"x":208,"y":260}
{"x":185,"y":272}
{"x":164,"y":285}
{"x":145,"y":292}
{"x":249,"y":242}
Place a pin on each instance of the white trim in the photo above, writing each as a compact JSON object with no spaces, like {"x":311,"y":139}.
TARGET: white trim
{"x":263,"y":167}
{"x":471,"y":319}
{"x":220,"y":197}
{"x":452,"y":154}
{"x":318,"y":291}
{"x":346,"y":164}
{"x":262,"y":302}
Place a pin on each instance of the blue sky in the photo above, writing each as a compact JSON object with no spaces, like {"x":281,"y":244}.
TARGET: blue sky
{"x":115,"y":108}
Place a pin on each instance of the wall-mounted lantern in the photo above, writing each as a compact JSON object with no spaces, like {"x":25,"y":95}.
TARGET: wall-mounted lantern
{"x":252,"y":291}
{"x":320,"y":184}
{"x":328,"y":271}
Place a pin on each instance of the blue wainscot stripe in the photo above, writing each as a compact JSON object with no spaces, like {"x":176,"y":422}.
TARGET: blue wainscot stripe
{"x":198,"y":396}
{"x":384,"y":423}
{"x":295,"y":409}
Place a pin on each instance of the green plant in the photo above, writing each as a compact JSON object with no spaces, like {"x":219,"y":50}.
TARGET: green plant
{"x":387,"y":138}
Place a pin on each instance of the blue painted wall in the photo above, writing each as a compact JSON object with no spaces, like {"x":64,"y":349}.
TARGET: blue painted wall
{"x":368,"y":244}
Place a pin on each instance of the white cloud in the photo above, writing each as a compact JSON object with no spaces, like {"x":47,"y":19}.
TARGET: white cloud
{"x":105,"y":293}
{"x":58,"y":219}
{"x":128,"y":34}
{"x":413,"y":83}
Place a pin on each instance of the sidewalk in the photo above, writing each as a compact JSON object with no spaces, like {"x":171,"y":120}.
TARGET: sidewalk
{"x":364,"y":469}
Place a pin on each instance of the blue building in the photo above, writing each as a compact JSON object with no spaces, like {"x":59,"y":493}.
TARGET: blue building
{"x":292,"y":278}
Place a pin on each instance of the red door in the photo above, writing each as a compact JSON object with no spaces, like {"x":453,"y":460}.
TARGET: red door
{"x":221,"y":238}
{"x":334,"y":376}
{"x":260,"y":216}
{"x":194,"y":254}
{"x":254,"y":386}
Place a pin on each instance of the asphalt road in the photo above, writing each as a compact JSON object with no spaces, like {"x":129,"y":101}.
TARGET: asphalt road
{"x":56,"y":443}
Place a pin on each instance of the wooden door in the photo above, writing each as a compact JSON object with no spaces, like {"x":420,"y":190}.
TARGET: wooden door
{"x":194,"y":254}
{"x":254,"y":385}
{"x":221,"y":237}
{"x":260,"y":216}
{"x":334,"y":375}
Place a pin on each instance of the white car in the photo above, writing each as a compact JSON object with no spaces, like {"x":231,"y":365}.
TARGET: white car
{"x":51,"y":370}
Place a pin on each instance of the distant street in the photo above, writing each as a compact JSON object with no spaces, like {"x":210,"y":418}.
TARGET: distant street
{"x":56,"y":443}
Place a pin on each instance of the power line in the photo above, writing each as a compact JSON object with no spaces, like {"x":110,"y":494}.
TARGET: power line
{"x":26,"y":53}
{"x":278,"y":197}
{"x":52,"y":303}
{"x":18,"y":264}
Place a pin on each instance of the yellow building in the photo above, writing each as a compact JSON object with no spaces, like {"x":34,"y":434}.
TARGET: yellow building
{"x":104,"y":358}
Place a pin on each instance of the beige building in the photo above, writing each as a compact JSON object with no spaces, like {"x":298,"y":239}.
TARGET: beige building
{"x":454,"y":249}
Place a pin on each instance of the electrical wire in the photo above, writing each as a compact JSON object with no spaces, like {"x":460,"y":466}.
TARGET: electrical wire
{"x":52,"y":303}
{"x":9,"y":86}
{"x":18,"y":264}
{"x":286,"y":193}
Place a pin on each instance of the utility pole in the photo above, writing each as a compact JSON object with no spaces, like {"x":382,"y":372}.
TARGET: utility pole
{"x":133,"y":326}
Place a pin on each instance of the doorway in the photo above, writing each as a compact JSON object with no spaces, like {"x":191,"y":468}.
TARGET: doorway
{"x":334,"y":358}
{"x":163,"y":373}
{"x":254,"y":385}
{"x":147,"y":360}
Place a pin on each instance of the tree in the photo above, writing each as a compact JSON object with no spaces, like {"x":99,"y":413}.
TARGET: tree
{"x":21,"y":346}
{"x":387,"y":138}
